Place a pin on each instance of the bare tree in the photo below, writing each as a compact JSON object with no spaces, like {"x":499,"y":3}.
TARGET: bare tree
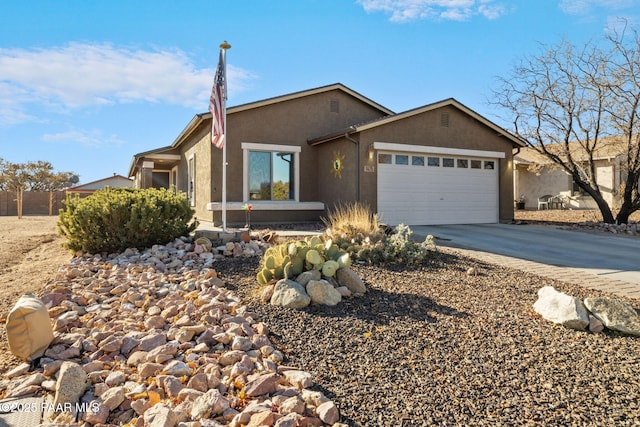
{"x":571,"y":104}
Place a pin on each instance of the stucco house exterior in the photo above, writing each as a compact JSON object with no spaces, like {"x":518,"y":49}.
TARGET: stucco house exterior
{"x":295,"y":156}
{"x":535,"y":175}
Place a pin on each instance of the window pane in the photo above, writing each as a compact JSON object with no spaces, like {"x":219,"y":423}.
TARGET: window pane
{"x":384,"y":159}
{"x":489,"y":164}
{"x":476,"y":164}
{"x":463,"y":163}
{"x":417,"y":160}
{"x":447,"y":163}
{"x":282,"y":176}
{"x":259,"y":175}
{"x":402,"y":159}
{"x":433,"y":161}
{"x":271,"y":175}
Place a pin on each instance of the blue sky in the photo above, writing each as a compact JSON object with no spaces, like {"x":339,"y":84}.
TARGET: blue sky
{"x":86,"y":84}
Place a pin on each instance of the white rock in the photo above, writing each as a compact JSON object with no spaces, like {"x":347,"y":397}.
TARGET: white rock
{"x":322,"y":292}
{"x":560,"y":308}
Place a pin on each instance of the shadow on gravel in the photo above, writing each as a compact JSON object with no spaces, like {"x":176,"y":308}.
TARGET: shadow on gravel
{"x":381,"y":308}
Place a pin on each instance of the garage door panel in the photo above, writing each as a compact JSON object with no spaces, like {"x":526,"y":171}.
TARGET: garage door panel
{"x":416,"y":195}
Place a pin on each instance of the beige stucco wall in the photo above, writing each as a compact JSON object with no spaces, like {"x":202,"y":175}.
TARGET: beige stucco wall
{"x":286,"y":123}
{"x":551,"y":180}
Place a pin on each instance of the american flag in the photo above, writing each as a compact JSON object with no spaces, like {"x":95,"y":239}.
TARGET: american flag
{"x":217,"y":104}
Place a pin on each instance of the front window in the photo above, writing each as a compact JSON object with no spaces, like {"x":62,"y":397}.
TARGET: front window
{"x":271,"y":175}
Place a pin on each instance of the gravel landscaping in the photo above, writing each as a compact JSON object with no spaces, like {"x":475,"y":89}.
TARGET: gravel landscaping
{"x":433,"y":346}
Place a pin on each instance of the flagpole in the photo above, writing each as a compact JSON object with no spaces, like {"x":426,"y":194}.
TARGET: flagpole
{"x":224,"y":46}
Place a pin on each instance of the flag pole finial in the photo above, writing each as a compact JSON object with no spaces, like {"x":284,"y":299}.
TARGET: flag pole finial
{"x":224,"y":45}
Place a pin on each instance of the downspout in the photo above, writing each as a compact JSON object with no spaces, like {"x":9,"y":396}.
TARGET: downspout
{"x":357,"y":143}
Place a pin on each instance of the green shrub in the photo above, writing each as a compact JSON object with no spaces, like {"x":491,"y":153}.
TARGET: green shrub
{"x":115,"y":219}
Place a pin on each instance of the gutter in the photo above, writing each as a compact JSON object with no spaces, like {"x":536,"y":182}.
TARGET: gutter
{"x":357,"y":144}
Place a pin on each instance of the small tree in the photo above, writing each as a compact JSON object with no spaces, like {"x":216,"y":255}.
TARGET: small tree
{"x":570,"y":104}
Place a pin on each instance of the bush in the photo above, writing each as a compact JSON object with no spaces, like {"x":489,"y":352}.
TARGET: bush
{"x":115,"y":219}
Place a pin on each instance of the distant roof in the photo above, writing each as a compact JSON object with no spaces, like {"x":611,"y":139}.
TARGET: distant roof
{"x":115,"y":181}
{"x":415,"y":111}
{"x":606,"y":148}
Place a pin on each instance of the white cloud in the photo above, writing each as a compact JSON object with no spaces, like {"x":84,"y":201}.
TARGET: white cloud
{"x":80,"y":75}
{"x":452,"y":10}
{"x":88,"y":138}
{"x":587,"y":7}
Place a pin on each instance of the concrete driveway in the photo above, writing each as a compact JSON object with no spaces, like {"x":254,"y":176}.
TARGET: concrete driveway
{"x":614,"y":257}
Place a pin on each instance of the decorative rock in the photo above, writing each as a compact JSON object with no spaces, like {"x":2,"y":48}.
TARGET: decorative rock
{"x":264,"y":384}
{"x":349,"y":278}
{"x":113,"y":397}
{"x":288,"y":293}
{"x":291,"y":405}
{"x":561,"y":308}
{"x":71,"y":385}
{"x":177,"y":369}
{"x":299,"y":379}
{"x":147,"y":370}
{"x":97,"y":413}
{"x":595,"y":325}
{"x":261,"y":419}
{"x":344,"y":291}
{"x":160,"y":416}
{"x":615,"y":314}
{"x":328,"y":412}
{"x":210,"y":403}
{"x":115,"y":378}
{"x":305,"y":277}
{"x":322,"y":292}
{"x":267,"y":293}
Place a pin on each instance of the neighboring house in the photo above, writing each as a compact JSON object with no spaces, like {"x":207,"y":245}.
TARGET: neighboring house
{"x":535,"y":175}
{"x":295,"y":156}
{"x":115,"y":181}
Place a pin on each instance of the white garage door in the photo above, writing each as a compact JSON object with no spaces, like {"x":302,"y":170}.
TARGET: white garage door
{"x":423,"y":189}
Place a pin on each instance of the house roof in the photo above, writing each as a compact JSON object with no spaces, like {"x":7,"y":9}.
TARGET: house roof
{"x":429,"y":107}
{"x":607,"y":148}
{"x":201,"y":117}
{"x":101,"y":183}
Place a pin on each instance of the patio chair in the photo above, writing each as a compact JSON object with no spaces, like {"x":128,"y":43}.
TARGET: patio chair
{"x":544,"y":201}
{"x":557,"y":202}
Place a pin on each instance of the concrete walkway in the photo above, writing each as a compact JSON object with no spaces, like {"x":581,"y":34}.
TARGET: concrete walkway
{"x":598,"y":261}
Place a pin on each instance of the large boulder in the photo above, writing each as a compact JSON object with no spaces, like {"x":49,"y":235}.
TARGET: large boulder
{"x":288,"y":293}
{"x":615,"y":314}
{"x":560,"y":308}
{"x":323,"y":292}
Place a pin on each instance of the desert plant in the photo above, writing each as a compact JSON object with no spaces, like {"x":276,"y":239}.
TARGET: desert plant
{"x":352,"y":220}
{"x":289,"y":259}
{"x":115,"y":219}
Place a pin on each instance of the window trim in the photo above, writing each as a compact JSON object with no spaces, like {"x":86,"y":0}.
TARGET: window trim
{"x":252,"y":146}
{"x":191,"y":179}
